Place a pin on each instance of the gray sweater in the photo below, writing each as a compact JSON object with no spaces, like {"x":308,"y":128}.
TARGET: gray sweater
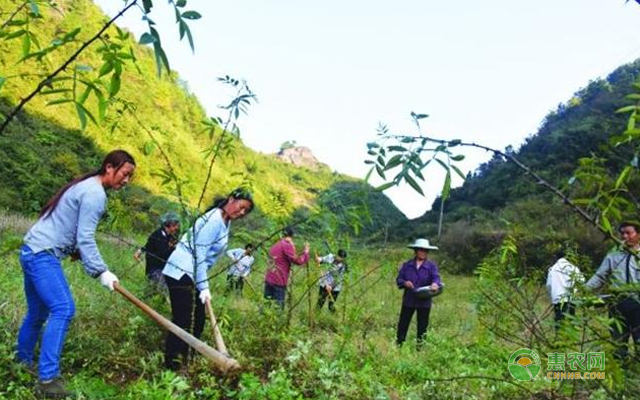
{"x":72,"y":225}
{"x":614,"y":266}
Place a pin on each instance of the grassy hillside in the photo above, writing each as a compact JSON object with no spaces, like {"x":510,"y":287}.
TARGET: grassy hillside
{"x":498,"y":198}
{"x":44,"y":147}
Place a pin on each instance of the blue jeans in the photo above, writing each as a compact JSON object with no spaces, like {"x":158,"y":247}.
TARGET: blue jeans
{"x":48,"y":300}
{"x":275,"y":293}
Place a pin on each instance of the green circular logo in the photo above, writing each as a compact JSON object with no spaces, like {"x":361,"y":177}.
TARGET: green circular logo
{"x":524,"y":364}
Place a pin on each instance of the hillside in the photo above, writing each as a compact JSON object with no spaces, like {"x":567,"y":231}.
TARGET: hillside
{"x":44,"y":147}
{"x":499,"y":199}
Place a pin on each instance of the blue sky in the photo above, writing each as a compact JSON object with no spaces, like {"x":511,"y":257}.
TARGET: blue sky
{"x":327,"y":72}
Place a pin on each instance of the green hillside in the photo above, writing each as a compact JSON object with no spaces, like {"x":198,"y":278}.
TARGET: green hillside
{"x":498,"y":198}
{"x":44,"y":147}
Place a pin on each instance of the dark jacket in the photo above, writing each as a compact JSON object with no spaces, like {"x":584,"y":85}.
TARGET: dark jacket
{"x":423,"y":276}
{"x":159,"y":247}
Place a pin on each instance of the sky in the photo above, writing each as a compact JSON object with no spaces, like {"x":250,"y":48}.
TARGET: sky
{"x":326,"y":73}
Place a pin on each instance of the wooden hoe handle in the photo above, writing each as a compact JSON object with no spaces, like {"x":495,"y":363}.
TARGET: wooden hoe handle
{"x":222,"y":361}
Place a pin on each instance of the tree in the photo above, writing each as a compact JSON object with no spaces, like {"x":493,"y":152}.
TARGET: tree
{"x":72,"y":82}
{"x":289,"y":144}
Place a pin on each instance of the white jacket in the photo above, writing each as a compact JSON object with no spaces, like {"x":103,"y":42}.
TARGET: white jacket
{"x":561,"y":280}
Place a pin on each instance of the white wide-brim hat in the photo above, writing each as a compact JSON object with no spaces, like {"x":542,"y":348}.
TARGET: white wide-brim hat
{"x":422,"y":244}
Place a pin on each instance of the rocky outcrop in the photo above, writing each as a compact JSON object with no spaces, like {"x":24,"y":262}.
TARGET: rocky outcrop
{"x":300,"y":156}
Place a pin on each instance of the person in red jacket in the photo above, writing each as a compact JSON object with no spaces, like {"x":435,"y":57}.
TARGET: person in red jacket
{"x":281,"y":256}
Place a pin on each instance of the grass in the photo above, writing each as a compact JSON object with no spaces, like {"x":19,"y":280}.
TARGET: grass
{"x":113,"y":351}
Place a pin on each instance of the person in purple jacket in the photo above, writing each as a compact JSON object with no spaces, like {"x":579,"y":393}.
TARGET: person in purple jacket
{"x":419,"y":272}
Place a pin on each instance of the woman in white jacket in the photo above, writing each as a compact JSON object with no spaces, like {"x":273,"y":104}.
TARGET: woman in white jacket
{"x":186,"y":269}
{"x":561,"y":285}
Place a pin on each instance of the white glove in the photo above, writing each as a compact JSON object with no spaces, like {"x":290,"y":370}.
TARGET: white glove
{"x":205,"y":296}
{"x":107,"y":279}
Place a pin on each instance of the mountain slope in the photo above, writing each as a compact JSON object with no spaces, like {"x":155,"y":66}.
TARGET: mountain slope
{"x":43,"y":147}
{"x":499,"y":198}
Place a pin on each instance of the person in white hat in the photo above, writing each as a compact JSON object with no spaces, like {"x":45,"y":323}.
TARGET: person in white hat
{"x":415,"y":274}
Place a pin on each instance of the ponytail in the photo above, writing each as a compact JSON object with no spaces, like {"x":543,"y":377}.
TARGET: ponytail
{"x":116,"y":158}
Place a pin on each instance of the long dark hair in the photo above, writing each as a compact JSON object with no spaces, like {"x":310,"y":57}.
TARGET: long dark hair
{"x":116,"y":158}
{"x":238,"y":194}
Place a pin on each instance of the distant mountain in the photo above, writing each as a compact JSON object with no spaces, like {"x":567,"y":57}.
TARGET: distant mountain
{"x":486,"y":202}
{"x":43,"y":147}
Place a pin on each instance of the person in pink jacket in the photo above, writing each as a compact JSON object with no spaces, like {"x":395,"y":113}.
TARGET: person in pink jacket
{"x":281,"y":256}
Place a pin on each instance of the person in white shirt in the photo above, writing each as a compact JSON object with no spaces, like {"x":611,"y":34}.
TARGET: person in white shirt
{"x":332,"y":278}
{"x":186,"y":269}
{"x":240,"y":269}
{"x":561,"y":285}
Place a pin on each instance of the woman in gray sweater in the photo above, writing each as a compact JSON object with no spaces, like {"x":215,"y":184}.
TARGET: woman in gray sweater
{"x":66,"y":226}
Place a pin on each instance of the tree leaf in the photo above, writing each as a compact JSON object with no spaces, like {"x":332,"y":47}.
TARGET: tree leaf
{"x":26,"y":45}
{"x":34,"y":8}
{"x":146,"y":38}
{"x":114,"y":85}
{"x":626,"y":109}
{"x":102,"y":105}
{"x":442,"y":164}
{"x":393,"y":162}
{"x":147,"y":4}
{"x":397,"y":148}
{"x":446,"y":187}
{"x":83,"y":68}
{"x":181,"y":3}
{"x":632,"y":121}
{"x":606,"y":224}
{"x":106,"y":68}
{"x":413,"y":184}
{"x":59,"y":101}
{"x":87,"y":113}
{"x":191,"y":15}
{"x":366,"y":178}
{"x":15,"y":34}
{"x":82,"y":116}
{"x":458,"y":157}
{"x":623,"y":176}
{"x":385,"y":186}
{"x":148,"y":148}
{"x":181,"y":28}
{"x":83,"y":97}
{"x":161,"y":57}
{"x":16,"y":22}
{"x":189,"y":37}
{"x":460,"y":174}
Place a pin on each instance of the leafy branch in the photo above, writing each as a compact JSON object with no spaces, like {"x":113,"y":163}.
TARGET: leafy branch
{"x":47,"y":81}
{"x":243,"y":98}
{"x":114,"y":56}
{"x":409,"y":155}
